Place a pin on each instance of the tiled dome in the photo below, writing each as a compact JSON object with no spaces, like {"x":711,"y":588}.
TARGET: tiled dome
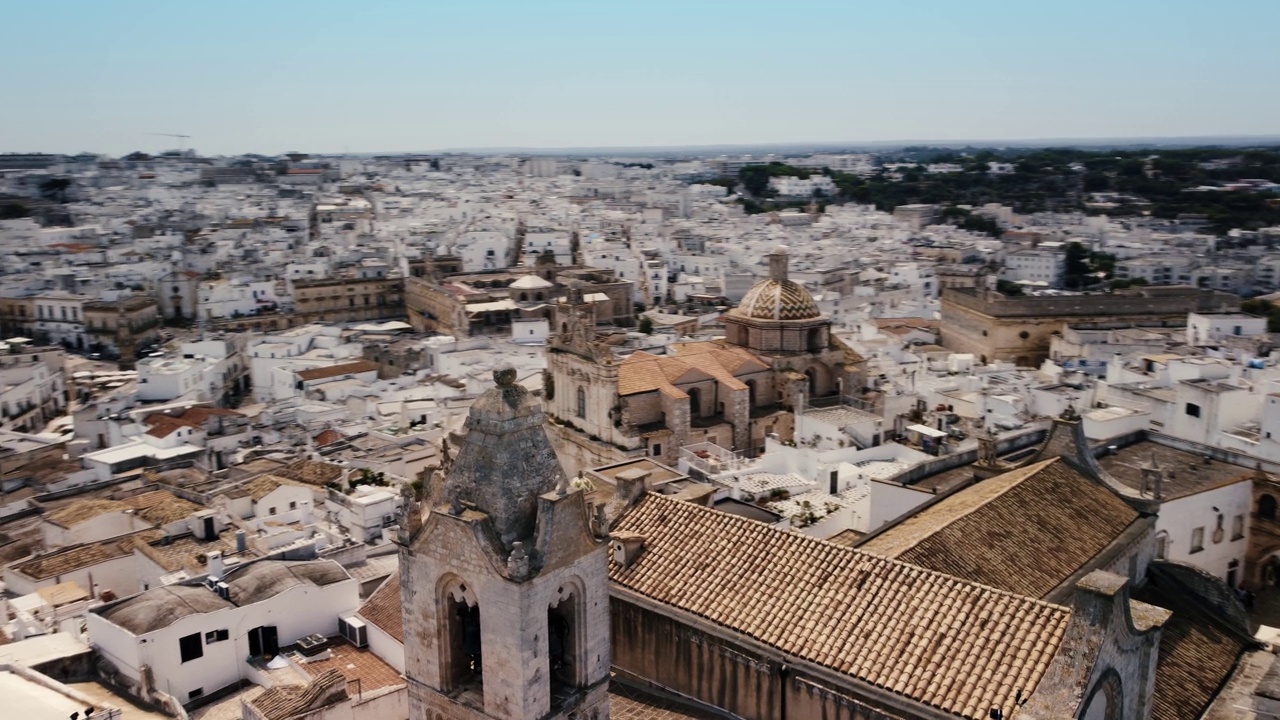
{"x":778,"y":300}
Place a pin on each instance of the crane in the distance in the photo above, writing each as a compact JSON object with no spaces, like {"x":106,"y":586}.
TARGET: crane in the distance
{"x":181,"y":145}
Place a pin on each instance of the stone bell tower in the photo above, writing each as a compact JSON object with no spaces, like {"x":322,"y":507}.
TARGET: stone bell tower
{"x":505,"y":584}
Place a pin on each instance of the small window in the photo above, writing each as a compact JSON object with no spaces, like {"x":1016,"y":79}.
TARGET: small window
{"x":190,"y":647}
{"x":1237,"y":527}
{"x":1193,"y":410}
{"x":657,"y":449}
{"x":293,"y":505}
{"x":214,"y":636}
{"x":271,"y":510}
{"x":1267,"y":507}
{"x":1197,"y":540}
{"x":195,"y":693}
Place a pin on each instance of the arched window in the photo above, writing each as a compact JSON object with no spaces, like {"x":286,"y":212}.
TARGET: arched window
{"x":813,"y":382}
{"x":582,"y":403}
{"x":695,"y":402}
{"x":565,"y":640}
{"x":815,"y":340}
{"x":1267,"y":507}
{"x":751,"y":393}
{"x":461,"y":637}
{"x":524,"y":297}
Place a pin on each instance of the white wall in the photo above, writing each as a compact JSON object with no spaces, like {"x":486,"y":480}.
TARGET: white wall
{"x":296,"y":612}
{"x":889,"y":500}
{"x":102,"y":527}
{"x":1179,"y":518}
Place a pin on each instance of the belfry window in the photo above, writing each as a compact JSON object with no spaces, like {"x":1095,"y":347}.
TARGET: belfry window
{"x":566,"y":668}
{"x":462,"y":661}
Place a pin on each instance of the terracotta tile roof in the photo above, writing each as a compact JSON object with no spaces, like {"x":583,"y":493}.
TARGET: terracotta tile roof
{"x":82,"y":510}
{"x":644,"y":372}
{"x":1198,"y":652}
{"x":1026,"y":531}
{"x":327,"y":437}
{"x":356,"y":664}
{"x":161,"y":507}
{"x":351,"y":368}
{"x":949,"y":643}
{"x":163,"y":425}
{"x":286,"y":701}
{"x":383,"y":608}
{"x":311,"y":472}
{"x":82,"y":556}
{"x":264,"y":485}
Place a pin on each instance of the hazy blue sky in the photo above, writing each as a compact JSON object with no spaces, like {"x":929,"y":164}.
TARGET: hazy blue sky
{"x":273,"y":75}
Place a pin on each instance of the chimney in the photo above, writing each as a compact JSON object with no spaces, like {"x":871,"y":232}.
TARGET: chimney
{"x":625,"y":547}
{"x":217,"y":568}
{"x":632,"y":484}
{"x":241,"y":543}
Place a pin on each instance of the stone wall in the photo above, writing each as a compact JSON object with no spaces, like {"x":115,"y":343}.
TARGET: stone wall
{"x":696,"y":664}
{"x":808,"y":699}
{"x":1019,"y":329}
{"x":450,"y":557}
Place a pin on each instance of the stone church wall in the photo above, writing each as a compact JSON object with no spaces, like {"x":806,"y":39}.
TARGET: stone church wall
{"x":696,"y":664}
{"x":808,"y":699}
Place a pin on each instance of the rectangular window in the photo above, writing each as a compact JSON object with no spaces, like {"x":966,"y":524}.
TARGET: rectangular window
{"x":1237,"y":527}
{"x":1197,"y":540}
{"x":293,"y":505}
{"x":195,"y":693}
{"x":657,"y":449}
{"x":214,"y":636}
{"x":271,"y":510}
{"x":1193,"y":410}
{"x":190,"y":647}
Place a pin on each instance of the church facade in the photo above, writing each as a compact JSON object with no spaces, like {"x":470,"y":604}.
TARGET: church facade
{"x":778,"y":354}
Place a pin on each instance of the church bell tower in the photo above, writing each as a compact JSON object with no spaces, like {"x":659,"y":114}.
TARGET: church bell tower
{"x":505,"y":583}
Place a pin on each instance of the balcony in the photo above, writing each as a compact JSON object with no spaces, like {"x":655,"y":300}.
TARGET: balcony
{"x":712,"y":460}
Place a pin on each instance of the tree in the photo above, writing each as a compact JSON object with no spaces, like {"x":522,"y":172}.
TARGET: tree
{"x":1006,"y":287}
{"x":1077,"y":265}
{"x":646,"y":325}
{"x":55,"y":189}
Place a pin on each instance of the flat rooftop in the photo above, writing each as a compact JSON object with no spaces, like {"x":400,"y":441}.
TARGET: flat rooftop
{"x":24,"y":697}
{"x":1185,"y":473}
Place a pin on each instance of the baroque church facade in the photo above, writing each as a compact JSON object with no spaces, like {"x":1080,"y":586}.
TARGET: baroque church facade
{"x":778,"y":354}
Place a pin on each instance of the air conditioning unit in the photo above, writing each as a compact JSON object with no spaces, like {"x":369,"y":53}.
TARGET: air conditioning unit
{"x":354,"y":630}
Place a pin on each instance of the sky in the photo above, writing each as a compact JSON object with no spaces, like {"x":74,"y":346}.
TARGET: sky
{"x":269,"y":76}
